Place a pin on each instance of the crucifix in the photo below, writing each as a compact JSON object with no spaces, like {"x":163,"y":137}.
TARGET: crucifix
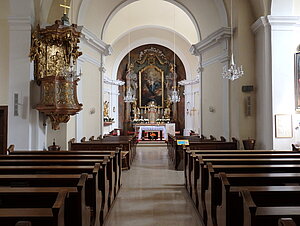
{"x":193,"y":111}
{"x":65,"y":6}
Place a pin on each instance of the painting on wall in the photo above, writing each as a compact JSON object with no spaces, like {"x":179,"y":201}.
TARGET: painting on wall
{"x":297,"y":81}
{"x":283,"y":126}
{"x":151,"y":86}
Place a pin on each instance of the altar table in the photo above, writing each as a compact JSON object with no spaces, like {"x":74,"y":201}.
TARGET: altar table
{"x":153,"y":128}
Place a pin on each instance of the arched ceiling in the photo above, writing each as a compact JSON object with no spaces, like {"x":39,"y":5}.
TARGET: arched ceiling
{"x":97,"y":16}
{"x":156,"y":13}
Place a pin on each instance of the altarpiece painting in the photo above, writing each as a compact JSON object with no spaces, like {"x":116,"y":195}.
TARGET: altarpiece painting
{"x":151,"y":86}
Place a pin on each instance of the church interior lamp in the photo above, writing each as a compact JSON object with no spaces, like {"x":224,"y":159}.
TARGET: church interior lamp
{"x":175,"y":97}
{"x":54,"y":52}
{"x":232,"y":72}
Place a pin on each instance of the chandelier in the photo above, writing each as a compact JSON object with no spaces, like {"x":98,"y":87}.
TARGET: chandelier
{"x":232,"y":72}
{"x":175,"y":98}
{"x":130,"y":96}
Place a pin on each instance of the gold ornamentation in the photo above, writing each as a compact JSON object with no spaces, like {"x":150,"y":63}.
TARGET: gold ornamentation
{"x":54,"y":49}
{"x":54,"y":52}
{"x":105,"y":109}
{"x":151,"y":55}
{"x":56,"y":119}
{"x":65,"y":6}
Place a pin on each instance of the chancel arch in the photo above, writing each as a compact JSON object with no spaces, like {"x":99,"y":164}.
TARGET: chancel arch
{"x":151,"y":79}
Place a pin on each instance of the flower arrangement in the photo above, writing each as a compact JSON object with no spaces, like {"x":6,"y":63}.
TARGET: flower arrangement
{"x":159,"y":120}
{"x":108,"y":119}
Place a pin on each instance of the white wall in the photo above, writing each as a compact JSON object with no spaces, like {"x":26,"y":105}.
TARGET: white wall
{"x":4,"y":37}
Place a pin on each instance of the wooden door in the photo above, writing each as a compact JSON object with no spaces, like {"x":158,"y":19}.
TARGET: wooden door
{"x":3,"y":129}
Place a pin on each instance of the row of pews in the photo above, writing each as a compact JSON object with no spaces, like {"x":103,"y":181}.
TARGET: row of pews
{"x":175,"y":152}
{"x":127,"y":143}
{"x":59,"y":188}
{"x":244,"y":187}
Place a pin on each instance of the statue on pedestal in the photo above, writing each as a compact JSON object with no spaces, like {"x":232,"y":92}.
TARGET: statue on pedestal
{"x":105,"y":109}
{"x":152,"y":112}
{"x":167,"y":110}
{"x":136,"y":111}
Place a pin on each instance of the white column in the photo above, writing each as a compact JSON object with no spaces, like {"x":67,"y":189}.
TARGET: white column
{"x":101,"y":74}
{"x":284,"y":45}
{"x":264,"y":111}
{"x":20,"y":75}
{"x":79,"y":115}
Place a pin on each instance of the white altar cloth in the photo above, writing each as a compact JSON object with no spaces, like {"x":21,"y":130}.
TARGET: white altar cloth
{"x":153,"y":128}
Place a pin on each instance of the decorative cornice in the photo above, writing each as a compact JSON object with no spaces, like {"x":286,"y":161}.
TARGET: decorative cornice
{"x":219,"y":58}
{"x":94,"y":42}
{"x":90,"y":59}
{"x":210,"y":41}
{"x":19,"y":23}
{"x":109,"y":81}
{"x":190,"y":82}
{"x":284,"y":23}
{"x":259,"y":23}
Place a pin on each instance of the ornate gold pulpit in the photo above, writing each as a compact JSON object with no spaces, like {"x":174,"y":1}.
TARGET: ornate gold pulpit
{"x":54,"y":52}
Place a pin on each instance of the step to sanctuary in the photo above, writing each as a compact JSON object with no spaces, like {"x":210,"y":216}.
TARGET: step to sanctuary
{"x":148,"y":143}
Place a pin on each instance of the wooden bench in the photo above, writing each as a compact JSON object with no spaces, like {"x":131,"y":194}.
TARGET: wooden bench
{"x":107,"y":144}
{"x":206,"y":185}
{"x":40,"y":208}
{"x":267,"y":207}
{"x":202,"y":184}
{"x":192,"y":169}
{"x":190,"y":160}
{"x":98,"y":197}
{"x":115,"y":157}
{"x":286,"y":222}
{"x":77,"y":212}
{"x":5,"y":161}
{"x":226,"y":203}
{"x":176,"y":153}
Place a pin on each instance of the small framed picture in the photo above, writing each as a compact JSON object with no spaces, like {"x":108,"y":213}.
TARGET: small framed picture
{"x":283,"y":126}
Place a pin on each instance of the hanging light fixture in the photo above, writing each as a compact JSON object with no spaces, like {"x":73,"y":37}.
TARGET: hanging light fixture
{"x":175,"y":98}
{"x":232,"y":72}
{"x":130,"y":93}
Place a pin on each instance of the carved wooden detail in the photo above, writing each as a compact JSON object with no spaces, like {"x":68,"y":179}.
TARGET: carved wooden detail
{"x":54,"y":52}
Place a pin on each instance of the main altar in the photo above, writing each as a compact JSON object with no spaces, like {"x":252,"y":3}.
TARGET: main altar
{"x":145,"y":131}
{"x":149,"y":109}
{"x":154,"y":123}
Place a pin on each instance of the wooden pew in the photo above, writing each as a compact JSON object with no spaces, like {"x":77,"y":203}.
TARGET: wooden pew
{"x":116,"y":160}
{"x":226,"y":203}
{"x":69,"y":160}
{"x":76,"y":205}
{"x":176,"y":153}
{"x":98,"y":195}
{"x":23,"y":223}
{"x":210,"y":170}
{"x":286,"y":222}
{"x":267,"y":207}
{"x":109,"y":143}
{"x":192,"y":169}
{"x":40,"y":208}
{"x":77,"y":212}
{"x":208,"y":181}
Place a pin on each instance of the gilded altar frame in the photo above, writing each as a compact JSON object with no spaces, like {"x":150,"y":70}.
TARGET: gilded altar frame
{"x":151,"y":86}
{"x":297,"y":82}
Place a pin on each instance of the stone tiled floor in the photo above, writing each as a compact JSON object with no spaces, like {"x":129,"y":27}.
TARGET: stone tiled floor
{"x":152,"y":194}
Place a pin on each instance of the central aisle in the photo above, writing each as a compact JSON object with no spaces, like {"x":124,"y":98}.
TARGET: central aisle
{"x":152,"y":194}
